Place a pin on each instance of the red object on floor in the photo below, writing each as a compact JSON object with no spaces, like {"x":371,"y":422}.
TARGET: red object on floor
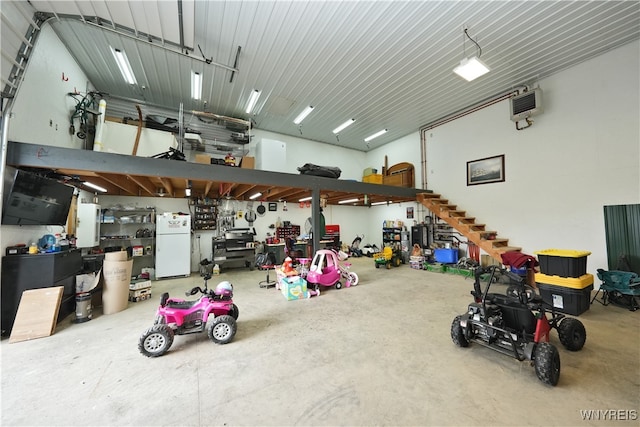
{"x":474,"y":251}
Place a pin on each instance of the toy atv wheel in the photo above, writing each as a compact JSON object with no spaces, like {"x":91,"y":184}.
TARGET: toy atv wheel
{"x":223,"y":329}
{"x":234,"y":312}
{"x":457,"y":334}
{"x":156,"y":340}
{"x":572,"y":334}
{"x":338,"y":285}
{"x":547,"y":363}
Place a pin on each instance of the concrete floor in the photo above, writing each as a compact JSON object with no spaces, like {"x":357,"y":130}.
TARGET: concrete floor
{"x":379,"y":353}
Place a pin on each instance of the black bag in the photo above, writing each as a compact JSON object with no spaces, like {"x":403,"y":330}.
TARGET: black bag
{"x":326,"y":171}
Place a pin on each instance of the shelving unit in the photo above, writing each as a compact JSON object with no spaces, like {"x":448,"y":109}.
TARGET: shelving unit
{"x":391,"y":235}
{"x":205,"y":214}
{"x":442,"y":233}
{"x":130,"y":228}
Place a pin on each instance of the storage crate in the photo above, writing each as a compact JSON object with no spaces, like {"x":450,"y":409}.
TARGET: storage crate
{"x":566,"y":300}
{"x":562,"y":262}
{"x":446,"y":256}
{"x":566,"y":282}
{"x":374,"y":178}
{"x":139,"y":294}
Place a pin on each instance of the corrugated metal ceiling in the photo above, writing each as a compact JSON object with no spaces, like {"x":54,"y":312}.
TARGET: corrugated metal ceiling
{"x":387,"y":64}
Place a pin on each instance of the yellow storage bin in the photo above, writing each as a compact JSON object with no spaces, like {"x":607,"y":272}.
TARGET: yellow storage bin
{"x":563,"y":262}
{"x":374,"y":178}
{"x":566,"y":282}
{"x":569,"y":253}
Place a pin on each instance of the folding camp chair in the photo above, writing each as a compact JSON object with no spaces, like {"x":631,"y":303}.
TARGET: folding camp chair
{"x":620,"y":288}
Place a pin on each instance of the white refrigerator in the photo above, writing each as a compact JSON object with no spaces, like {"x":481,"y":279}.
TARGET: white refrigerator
{"x":173,"y":245}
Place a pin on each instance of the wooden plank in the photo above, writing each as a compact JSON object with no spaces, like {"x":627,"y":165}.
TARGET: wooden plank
{"x":37,"y":314}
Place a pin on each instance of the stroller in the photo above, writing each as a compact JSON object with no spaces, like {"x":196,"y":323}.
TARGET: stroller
{"x":354,"y":249}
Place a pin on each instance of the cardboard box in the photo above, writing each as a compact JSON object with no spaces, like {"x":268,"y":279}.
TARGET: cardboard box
{"x":248,"y":162}
{"x":203,"y":158}
{"x":137,"y":251}
{"x":139,"y":284}
{"x":374,"y":178}
{"x":116,"y":271}
{"x":139,"y":294}
{"x":294,"y":287}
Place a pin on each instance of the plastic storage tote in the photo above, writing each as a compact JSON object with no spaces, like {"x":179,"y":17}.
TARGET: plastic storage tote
{"x":563,"y":262}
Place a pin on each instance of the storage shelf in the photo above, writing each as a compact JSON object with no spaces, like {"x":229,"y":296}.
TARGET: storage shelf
{"x":122,"y":233}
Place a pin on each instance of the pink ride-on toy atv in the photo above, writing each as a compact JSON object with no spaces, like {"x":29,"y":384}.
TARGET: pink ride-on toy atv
{"x":327,"y":270}
{"x":177,"y":316}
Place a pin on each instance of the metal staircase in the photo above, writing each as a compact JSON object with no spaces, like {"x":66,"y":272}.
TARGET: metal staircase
{"x":467,"y":226}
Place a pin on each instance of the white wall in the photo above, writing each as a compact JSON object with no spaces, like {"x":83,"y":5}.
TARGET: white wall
{"x":42,"y":109}
{"x":300,"y":151}
{"x":581,"y":154}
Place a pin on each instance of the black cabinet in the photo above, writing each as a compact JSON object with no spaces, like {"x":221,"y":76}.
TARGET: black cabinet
{"x":24,"y":272}
{"x":422,"y":235}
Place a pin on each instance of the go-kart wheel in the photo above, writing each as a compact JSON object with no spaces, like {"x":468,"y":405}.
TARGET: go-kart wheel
{"x":572,"y":334}
{"x":234,"y":312}
{"x":547,"y":363}
{"x":156,"y":340}
{"x":457,"y":334}
{"x":222,"y":329}
{"x":353,"y":279}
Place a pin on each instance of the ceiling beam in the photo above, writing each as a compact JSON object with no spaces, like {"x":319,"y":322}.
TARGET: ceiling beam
{"x":226,"y":178}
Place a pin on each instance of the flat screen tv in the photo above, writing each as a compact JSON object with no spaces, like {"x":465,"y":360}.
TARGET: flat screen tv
{"x":36,"y":200}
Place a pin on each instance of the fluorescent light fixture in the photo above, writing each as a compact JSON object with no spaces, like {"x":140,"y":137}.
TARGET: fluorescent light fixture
{"x":348,"y":201}
{"x":196,"y":85}
{"x":471,"y":68}
{"x":303,"y":115}
{"x":123,"y":64}
{"x":187,"y":192}
{"x":95,"y":187}
{"x":375,"y":135}
{"x":344,"y":125}
{"x":252,"y":100}
{"x":255,"y":196}
{"x":305,"y":199}
{"x":380,"y":203}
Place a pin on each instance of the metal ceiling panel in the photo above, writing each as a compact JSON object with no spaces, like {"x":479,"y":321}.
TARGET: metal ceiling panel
{"x":387,"y":64}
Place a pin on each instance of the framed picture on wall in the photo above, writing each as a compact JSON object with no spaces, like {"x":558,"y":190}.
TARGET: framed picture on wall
{"x":485,"y":171}
{"x":409,"y":213}
{"x":273,"y":206}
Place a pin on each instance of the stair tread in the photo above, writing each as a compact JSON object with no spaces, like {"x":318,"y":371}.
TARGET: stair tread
{"x":455,"y":218}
